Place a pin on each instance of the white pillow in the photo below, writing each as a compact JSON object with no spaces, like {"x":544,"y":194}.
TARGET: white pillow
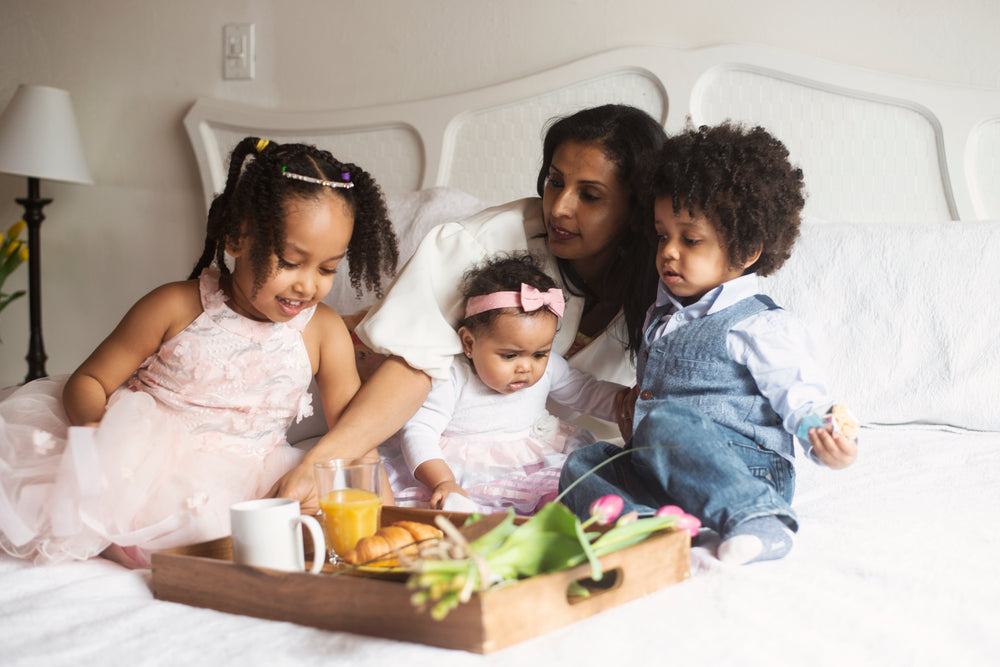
{"x":412,"y":215}
{"x":908,"y":314}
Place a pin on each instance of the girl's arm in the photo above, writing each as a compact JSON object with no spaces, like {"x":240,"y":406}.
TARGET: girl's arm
{"x":155,"y":318}
{"x":331,"y":353}
{"x":383,"y":404}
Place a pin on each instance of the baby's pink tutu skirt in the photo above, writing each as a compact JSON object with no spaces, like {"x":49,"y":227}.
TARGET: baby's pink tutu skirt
{"x":140,"y":480}
{"x":519,"y":472}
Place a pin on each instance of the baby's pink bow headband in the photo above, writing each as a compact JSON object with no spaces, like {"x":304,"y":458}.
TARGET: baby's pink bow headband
{"x":529,"y":299}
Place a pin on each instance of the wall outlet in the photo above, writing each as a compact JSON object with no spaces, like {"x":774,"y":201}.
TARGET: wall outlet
{"x":237,"y":51}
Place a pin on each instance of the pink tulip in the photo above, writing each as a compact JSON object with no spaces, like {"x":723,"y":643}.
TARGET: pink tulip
{"x":606,"y":509}
{"x":669,"y":510}
{"x":689,"y":523}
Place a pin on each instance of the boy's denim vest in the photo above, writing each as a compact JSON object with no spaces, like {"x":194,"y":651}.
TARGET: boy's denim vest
{"x":691,"y":365}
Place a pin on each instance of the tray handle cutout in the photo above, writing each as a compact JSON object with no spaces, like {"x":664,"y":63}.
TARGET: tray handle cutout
{"x":586,"y":588}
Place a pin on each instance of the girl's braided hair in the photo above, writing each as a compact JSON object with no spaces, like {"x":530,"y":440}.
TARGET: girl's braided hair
{"x":255,"y":200}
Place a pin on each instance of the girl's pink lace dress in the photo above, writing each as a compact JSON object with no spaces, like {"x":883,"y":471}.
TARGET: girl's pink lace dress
{"x":201,"y":425}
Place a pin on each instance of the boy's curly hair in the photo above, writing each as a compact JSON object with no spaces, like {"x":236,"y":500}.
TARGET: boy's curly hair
{"x":503,"y":272}
{"x":741,"y":180}
{"x":255,"y":200}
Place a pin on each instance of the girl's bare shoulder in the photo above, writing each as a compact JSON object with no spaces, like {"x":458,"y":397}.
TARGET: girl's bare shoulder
{"x":325,"y":321}
{"x":180,"y":294}
{"x":175,"y":304}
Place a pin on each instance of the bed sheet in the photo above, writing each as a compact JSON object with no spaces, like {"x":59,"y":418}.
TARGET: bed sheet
{"x":895,"y":564}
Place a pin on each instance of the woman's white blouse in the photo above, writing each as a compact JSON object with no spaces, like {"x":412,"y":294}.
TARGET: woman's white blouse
{"x":417,"y":318}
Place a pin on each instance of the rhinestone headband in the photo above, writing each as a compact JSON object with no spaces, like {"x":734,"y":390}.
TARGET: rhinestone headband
{"x":319,"y":181}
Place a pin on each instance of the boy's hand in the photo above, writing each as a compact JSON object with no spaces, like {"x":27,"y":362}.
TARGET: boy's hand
{"x":833,"y":449}
{"x":443,"y":490}
{"x":625,"y":410}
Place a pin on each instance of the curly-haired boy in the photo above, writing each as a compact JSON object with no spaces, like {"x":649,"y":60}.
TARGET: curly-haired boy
{"x":726,"y":380}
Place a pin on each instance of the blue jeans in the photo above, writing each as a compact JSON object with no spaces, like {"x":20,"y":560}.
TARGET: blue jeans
{"x":678,"y":456}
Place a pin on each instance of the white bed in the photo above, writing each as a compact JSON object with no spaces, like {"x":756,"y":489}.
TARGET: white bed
{"x":897,"y":269}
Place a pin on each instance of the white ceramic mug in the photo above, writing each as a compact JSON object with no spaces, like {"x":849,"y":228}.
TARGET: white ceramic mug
{"x":268,"y":533}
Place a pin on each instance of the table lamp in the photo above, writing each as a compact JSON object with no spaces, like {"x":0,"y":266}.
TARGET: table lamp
{"x":39,"y":139}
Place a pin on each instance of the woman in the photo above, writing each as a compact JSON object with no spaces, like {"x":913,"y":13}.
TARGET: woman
{"x":590,"y":228}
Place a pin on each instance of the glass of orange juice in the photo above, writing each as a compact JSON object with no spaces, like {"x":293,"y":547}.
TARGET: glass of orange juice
{"x":350,"y":502}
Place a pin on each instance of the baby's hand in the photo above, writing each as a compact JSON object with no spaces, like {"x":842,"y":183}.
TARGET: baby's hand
{"x":443,"y":490}
{"x":833,"y":449}
{"x":625,"y":410}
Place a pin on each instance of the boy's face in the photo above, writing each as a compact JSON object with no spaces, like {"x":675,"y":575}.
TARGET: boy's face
{"x":690,"y":258}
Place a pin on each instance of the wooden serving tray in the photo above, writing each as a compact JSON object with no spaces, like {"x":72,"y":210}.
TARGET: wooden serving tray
{"x":204,"y":575}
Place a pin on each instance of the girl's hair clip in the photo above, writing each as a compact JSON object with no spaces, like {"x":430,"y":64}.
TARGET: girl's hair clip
{"x":319,"y":181}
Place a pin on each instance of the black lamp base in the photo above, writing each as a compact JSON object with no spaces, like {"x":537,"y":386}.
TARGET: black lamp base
{"x":33,"y":217}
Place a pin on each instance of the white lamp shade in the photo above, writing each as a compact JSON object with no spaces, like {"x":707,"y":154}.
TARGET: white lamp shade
{"x":39,"y":136}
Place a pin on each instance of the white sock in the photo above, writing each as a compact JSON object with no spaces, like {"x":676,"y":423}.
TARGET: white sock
{"x":763,"y":538}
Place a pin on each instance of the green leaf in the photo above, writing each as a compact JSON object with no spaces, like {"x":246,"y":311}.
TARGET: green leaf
{"x":526,"y":558}
{"x":10,"y":263}
{"x":6,"y":300}
{"x":621,"y":537}
{"x":494,"y":538}
{"x":550,"y":541}
{"x":596,"y":571}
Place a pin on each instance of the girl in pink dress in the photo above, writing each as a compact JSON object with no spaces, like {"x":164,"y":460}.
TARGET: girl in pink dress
{"x":183,"y":409}
{"x":483,"y":440}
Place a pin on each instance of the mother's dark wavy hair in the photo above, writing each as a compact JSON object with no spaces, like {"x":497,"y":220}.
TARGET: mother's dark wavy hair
{"x":631,"y":140}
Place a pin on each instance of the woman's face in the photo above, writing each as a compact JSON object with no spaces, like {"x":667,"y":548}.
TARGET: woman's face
{"x":585,"y":207}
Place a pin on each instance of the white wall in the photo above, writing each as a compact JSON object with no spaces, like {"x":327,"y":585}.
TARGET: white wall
{"x":133,"y":68}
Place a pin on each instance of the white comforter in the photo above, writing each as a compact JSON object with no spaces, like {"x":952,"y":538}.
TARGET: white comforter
{"x":895,"y":564}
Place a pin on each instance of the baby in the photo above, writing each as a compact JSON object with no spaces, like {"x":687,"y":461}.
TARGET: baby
{"x":483,"y":441}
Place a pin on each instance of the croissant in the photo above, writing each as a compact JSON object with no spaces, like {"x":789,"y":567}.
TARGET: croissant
{"x":383,"y":547}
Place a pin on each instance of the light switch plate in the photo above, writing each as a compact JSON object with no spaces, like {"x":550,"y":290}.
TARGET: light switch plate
{"x":238,"y":51}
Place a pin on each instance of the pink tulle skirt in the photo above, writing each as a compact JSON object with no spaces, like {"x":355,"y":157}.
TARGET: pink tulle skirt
{"x":519,"y":472}
{"x":141,"y":480}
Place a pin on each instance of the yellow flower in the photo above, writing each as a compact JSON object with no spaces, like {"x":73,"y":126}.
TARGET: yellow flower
{"x":19,"y":247}
{"x":15,"y":229}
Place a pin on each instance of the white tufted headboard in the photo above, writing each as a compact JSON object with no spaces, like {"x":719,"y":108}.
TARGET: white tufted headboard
{"x":874,"y":147}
